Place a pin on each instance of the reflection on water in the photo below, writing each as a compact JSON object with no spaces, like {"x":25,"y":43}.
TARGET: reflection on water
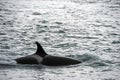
{"x":87,"y":30}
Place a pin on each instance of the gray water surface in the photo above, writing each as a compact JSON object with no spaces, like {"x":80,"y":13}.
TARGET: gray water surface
{"x":87,"y":30}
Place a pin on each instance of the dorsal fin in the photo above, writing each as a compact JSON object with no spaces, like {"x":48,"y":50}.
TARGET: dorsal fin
{"x":40,"y":51}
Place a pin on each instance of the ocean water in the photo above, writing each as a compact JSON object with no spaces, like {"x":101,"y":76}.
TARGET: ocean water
{"x":87,"y":30}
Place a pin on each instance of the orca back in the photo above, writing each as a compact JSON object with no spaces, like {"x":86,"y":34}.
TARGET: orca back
{"x":58,"y":61}
{"x":31,"y":59}
{"x":40,"y":57}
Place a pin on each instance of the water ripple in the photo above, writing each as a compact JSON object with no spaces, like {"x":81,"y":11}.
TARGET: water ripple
{"x":63,"y":45}
{"x":36,"y":13}
{"x":116,"y":42}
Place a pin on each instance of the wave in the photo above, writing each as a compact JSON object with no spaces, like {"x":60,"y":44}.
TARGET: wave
{"x":91,"y":60}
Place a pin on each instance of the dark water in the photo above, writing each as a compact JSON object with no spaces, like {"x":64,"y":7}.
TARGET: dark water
{"x":87,"y":30}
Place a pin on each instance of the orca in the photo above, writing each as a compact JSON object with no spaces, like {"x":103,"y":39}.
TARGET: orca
{"x":41,"y":57}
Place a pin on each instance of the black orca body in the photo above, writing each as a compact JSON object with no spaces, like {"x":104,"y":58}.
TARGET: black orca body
{"x":40,"y":57}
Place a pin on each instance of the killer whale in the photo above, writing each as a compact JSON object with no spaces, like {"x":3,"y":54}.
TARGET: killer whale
{"x":41,"y":57}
